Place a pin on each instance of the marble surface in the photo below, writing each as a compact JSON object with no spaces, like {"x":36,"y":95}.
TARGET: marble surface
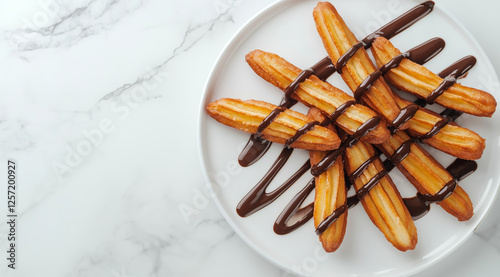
{"x":99,"y":103}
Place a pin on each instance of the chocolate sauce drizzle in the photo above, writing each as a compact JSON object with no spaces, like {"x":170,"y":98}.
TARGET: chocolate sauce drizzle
{"x":340,"y":110}
{"x":419,"y":205}
{"x":293,"y":216}
{"x":304,"y":129}
{"x":455,"y":70}
{"x":360,"y":193}
{"x":451,"y":78}
{"x":281,"y":225}
{"x":258,"y":198}
{"x":292,"y":211}
{"x":419,"y":54}
{"x":256,"y":146}
{"x":332,"y":156}
{"x":388,"y":31}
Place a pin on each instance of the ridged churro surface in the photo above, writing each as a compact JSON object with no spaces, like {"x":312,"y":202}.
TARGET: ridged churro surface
{"x":247,"y":116}
{"x":315,"y":93}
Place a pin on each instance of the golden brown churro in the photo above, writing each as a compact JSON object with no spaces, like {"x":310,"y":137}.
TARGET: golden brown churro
{"x":382,"y":203}
{"x":247,"y":115}
{"x":428,"y":175}
{"x":337,"y":40}
{"x":330,"y":194}
{"x":452,"y":139}
{"x":421,"y":82}
{"x":362,"y":126}
{"x":315,"y":93}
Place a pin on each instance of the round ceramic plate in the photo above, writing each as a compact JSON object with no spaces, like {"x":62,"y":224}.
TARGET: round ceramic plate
{"x":287,"y":29}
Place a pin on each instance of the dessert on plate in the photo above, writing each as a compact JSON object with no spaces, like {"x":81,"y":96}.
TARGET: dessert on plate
{"x":348,"y":136}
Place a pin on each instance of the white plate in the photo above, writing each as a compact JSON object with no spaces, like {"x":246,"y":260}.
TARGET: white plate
{"x":287,"y":29}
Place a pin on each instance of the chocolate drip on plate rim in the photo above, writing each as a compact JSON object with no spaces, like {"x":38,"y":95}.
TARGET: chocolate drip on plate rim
{"x":293,"y":211}
{"x":258,"y":198}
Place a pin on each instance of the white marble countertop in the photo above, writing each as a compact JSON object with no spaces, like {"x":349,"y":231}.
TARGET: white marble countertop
{"x":99,"y":103}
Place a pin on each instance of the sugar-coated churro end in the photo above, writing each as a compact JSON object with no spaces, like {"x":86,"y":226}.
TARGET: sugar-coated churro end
{"x":383,"y":203}
{"x":338,"y":41}
{"x":330,"y":194}
{"x":428,"y":175}
{"x":421,"y":82}
{"x":452,"y":138}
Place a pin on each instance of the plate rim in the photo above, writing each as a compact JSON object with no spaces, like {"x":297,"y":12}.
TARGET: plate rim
{"x":245,"y":30}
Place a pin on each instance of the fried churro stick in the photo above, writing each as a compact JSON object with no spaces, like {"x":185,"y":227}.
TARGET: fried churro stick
{"x":421,"y":82}
{"x":248,"y":115}
{"x":330,"y":194}
{"x":382,"y":203}
{"x":337,"y":40}
{"x":452,"y":139}
{"x":428,"y":175}
{"x":315,"y":93}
